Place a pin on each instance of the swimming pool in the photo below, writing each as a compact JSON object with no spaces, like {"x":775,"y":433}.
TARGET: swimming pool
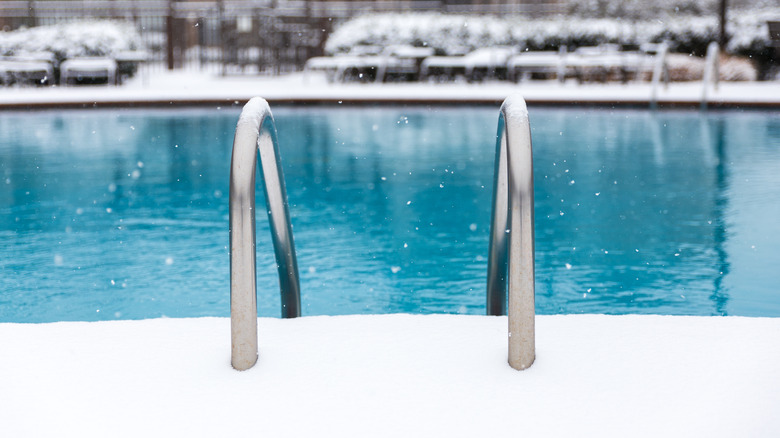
{"x":123,"y":214}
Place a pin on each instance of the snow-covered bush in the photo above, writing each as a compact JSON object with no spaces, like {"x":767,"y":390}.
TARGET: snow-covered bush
{"x":689,"y":34}
{"x":751,"y":38}
{"x":448,"y":33}
{"x":684,"y":68}
{"x":549,"y":34}
{"x":456,"y":34}
{"x":70,"y":40}
{"x":639,"y":9}
{"x":732,"y":68}
{"x":648,"y":10}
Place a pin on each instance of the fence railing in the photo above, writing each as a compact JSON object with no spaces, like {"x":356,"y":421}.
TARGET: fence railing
{"x":313,"y":8}
{"x":237,"y":35}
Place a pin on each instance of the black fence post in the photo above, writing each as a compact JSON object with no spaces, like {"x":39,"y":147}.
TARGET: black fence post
{"x":32,"y":20}
{"x":222,"y":29}
{"x":169,"y":36}
{"x":722,"y":37}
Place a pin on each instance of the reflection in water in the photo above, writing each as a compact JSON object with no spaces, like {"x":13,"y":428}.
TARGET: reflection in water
{"x":719,"y":293}
{"x":123,"y":214}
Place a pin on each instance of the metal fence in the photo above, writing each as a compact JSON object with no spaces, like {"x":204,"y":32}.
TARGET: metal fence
{"x":256,"y":36}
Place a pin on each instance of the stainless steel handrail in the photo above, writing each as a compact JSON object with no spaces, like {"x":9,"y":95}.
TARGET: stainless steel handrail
{"x":660,"y":71}
{"x":256,"y":133}
{"x":511,"y":247}
{"x":711,"y":73}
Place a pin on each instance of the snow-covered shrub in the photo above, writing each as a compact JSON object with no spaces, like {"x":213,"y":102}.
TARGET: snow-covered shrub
{"x":688,"y":34}
{"x":449,"y":33}
{"x":70,"y":40}
{"x":734,"y":68}
{"x":550,"y":34}
{"x":446,"y":33}
{"x":640,"y":9}
{"x":684,"y":68}
{"x":456,"y":34}
{"x":691,"y":68}
{"x":648,"y":10}
{"x":749,"y":32}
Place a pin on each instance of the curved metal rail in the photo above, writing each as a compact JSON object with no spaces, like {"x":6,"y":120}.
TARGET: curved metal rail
{"x":711,"y":73}
{"x":256,"y":133}
{"x":511,"y":248}
{"x":660,"y":72}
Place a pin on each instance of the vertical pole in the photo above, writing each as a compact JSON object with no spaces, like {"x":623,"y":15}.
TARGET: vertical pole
{"x":521,"y":237}
{"x":222,"y":37}
{"x":511,"y":250}
{"x":256,"y":135}
{"x":659,"y":71}
{"x":32,"y":19}
{"x":169,"y":36}
{"x":722,"y":38}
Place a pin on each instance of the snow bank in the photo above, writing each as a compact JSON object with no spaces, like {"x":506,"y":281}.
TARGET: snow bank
{"x":394,"y":375}
{"x":179,"y":88}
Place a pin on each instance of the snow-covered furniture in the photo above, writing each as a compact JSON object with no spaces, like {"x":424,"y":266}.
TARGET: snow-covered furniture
{"x":443,"y":68}
{"x":26,"y":70}
{"x":328,"y":65}
{"x":128,"y":63}
{"x":488,"y":62}
{"x":93,"y":69}
{"x":528,"y":65}
{"x":341,"y":68}
{"x":405,"y":62}
{"x":366,"y":65}
{"x":366,"y":68}
{"x":607,"y":62}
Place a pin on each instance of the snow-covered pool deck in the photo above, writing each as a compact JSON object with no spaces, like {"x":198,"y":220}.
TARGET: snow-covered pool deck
{"x":392,"y":376}
{"x":162,"y":88}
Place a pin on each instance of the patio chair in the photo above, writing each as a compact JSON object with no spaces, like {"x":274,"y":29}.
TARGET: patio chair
{"x":537,"y":65}
{"x":26,"y":70}
{"x":88,"y":70}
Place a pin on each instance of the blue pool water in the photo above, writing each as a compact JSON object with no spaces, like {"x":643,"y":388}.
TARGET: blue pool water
{"x":123,"y":214}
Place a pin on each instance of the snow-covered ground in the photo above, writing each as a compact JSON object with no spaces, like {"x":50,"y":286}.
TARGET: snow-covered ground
{"x":394,"y":375}
{"x":163,"y":87}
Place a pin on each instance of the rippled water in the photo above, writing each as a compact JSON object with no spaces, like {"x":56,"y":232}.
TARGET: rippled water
{"x":124,"y":213}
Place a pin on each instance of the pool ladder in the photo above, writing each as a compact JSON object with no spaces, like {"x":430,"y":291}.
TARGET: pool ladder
{"x":511,"y":246}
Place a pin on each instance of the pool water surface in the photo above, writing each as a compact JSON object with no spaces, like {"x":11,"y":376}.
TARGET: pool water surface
{"x":123,"y":214}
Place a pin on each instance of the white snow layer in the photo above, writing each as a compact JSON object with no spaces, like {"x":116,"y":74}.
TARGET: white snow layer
{"x":394,"y":375}
{"x":188,"y":86}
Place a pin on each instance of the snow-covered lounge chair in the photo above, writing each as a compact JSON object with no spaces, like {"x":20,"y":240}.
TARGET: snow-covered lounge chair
{"x":26,"y":70}
{"x":328,"y":65}
{"x":128,"y":63}
{"x":341,"y":68}
{"x":366,"y":65}
{"x":94,"y":69}
{"x":442,"y":68}
{"x":604,"y":63}
{"x":405,"y":62}
{"x":488,"y":62}
{"x":544,"y":64}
